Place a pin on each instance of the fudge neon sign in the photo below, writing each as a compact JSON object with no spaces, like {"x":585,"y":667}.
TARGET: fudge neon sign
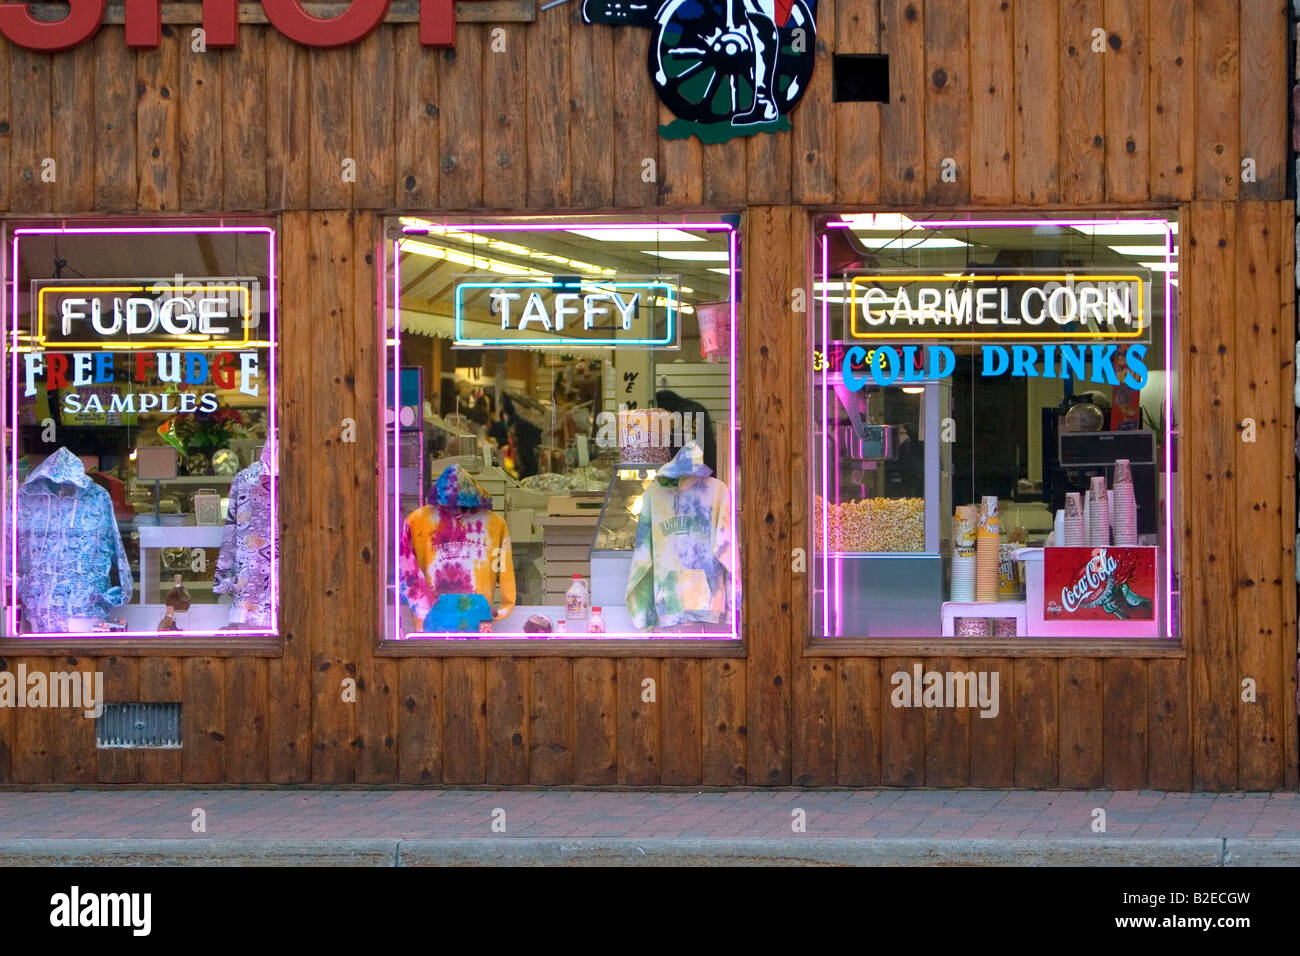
{"x":998,"y":305}
{"x":577,"y":306}
{"x":143,"y":19}
{"x":222,"y":312}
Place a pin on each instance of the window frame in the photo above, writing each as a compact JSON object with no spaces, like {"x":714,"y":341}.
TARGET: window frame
{"x":388,"y":292}
{"x":257,"y":643}
{"x":1175,"y":647}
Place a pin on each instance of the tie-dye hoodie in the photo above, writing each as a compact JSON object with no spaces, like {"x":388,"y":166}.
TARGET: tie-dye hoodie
{"x":682,"y":557}
{"x":453,"y":545}
{"x":68,"y":547}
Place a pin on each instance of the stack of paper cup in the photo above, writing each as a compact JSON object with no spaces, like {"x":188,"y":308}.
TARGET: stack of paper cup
{"x":963,"y":553}
{"x":1124,"y":520}
{"x":1098,"y":514}
{"x":1075,"y":534}
{"x":986,"y":550}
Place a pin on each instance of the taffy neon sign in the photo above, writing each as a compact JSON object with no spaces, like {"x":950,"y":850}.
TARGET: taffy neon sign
{"x":575,"y":309}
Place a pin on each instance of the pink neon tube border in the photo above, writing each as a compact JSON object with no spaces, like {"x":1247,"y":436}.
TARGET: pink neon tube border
{"x":11,"y":611}
{"x":826,"y":539}
{"x":734,"y":634}
{"x":396,"y":332}
{"x":1168,"y":390}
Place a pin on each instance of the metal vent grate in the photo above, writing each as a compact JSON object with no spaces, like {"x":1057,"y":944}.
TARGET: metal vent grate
{"x":129,"y":726}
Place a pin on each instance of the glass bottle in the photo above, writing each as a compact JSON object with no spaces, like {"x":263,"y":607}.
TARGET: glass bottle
{"x":596,"y":625}
{"x":178,"y":598}
{"x":168,"y":623}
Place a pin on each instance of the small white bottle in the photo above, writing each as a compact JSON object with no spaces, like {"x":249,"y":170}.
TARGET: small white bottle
{"x":577,"y":603}
{"x":597,"y":623}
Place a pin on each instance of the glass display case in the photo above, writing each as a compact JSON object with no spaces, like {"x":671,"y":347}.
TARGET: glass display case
{"x":881,"y":505}
{"x":611,"y":547}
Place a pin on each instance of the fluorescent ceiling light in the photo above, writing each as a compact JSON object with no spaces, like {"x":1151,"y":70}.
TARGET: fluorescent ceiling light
{"x":510,"y":247}
{"x":906,"y":242}
{"x":879,"y":220}
{"x":1139,"y":227}
{"x":464,"y":259}
{"x":1160,"y":266}
{"x":1147,"y":251}
{"x":721,"y":272}
{"x":690,"y":255}
{"x":637,"y":235}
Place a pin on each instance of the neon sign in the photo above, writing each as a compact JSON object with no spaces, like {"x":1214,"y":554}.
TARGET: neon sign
{"x":212,"y":314}
{"x":1071,"y":305}
{"x":103,"y":386}
{"x":572,"y":312}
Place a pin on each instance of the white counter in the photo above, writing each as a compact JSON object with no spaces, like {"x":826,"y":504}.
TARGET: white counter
{"x":618,"y":625}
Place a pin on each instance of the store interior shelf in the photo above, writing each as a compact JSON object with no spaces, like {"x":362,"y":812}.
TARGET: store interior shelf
{"x":882,"y":554}
{"x":180,"y":536}
{"x":198,"y":480}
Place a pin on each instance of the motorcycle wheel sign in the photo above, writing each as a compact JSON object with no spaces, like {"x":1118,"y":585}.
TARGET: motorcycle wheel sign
{"x":724,"y":68}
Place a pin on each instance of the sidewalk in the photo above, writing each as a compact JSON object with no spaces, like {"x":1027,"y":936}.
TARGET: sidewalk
{"x":415,"y":827}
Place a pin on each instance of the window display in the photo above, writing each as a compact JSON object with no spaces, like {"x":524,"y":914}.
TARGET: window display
{"x":140,"y":460}
{"x":993,"y":441}
{"x":561,"y":455}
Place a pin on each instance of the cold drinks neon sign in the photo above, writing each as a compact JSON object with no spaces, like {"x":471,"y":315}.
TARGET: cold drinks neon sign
{"x":220,"y":23}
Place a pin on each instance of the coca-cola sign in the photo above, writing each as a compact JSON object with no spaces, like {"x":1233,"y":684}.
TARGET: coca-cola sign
{"x":1099,"y":584}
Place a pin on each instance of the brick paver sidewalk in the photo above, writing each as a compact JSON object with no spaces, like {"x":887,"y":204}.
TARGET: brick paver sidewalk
{"x":567,"y":814}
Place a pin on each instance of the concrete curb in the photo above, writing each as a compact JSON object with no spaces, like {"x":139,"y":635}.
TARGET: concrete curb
{"x":506,"y":851}
{"x":511,"y":851}
{"x":1273,"y":852}
{"x":197,"y":852}
{"x":817,"y":851}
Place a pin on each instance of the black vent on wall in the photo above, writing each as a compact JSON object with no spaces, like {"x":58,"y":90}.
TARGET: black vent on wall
{"x":137,"y":725}
{"x":859,"y":78}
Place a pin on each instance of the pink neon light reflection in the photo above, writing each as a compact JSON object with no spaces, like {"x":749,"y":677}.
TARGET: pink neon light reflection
{"x":11,"y":612}
{"x":1170,"y":432}
{"x":433,"y":230}
{"x":734,"y":634}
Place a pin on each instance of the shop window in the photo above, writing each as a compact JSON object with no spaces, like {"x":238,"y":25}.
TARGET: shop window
{"x":140,"y":459}
{"x":993,"y":433}
{"x":560,"y":459}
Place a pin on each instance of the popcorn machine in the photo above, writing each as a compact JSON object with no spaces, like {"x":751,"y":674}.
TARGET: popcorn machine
{"x":882,"y":506}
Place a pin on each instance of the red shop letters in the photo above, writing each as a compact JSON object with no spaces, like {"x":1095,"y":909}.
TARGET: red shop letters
{"x":220,"y":23}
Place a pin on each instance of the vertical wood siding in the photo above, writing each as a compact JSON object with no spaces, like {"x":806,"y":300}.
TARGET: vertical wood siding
{"x":564,"y":117}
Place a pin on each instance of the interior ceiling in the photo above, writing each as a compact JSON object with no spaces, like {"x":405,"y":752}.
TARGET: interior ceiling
{"x":895,"y":243}
{"x":142,"y":256}
{"x":428,"y":283}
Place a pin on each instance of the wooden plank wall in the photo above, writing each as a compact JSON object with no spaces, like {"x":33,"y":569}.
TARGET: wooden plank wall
{"x":564,"y":117}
